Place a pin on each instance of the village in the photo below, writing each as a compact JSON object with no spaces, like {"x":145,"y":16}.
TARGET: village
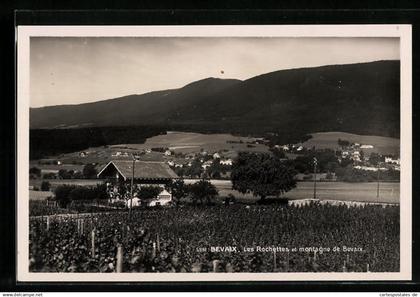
{"x":191,"y":163}
{"x":121,"y":190}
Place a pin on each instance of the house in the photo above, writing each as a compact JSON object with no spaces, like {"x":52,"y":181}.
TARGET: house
{"x":216,"y":156}
{"x":168,"y":153}
{"x":120,"y":173}
{"x":206,"y":164}
{"x":392,"y":161}
{"x":356,"y":156}
{"x":228,"y":162}
{"x":164,"y":198}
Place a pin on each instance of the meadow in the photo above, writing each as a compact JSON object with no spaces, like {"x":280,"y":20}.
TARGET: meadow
{"x":187,"y":142}
{"x":381,"y":145}
{"x":363,"y":192}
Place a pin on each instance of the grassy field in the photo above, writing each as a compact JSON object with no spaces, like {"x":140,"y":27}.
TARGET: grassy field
{"x":40,"y":195}
{"x":187,"y":142}
{"x":363,"y":192}
{"x":179,"y":142}
{"x":382,"y":145}
{"x":55,"y":182}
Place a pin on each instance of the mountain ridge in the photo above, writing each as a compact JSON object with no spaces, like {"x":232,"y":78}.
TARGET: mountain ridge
{"x":360,"y":97}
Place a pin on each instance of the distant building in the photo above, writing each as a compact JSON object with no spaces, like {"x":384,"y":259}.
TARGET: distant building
{"x":356,"y":156}
{"x":206,"y":164}
{"x":226,"y":162}
{"x":168,"y":153}
{"x":204,"y":153}
{"x":164,"y":198}
{"x":216,"y":156}
{"x":366,"y":146}
{"x":390,"y":160}
{"x":369,"y":168}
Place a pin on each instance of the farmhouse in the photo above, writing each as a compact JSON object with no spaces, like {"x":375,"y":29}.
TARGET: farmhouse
{"x":119,"y":174}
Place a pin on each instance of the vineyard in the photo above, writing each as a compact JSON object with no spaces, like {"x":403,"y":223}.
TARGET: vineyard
{"x":184,"y":239}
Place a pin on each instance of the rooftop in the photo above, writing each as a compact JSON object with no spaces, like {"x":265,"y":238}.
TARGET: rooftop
{"x":142,"y":170}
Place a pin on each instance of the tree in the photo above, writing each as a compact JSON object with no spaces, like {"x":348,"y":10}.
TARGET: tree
{"x":45,"y":186}
{"x":342,"y":142}
{"x":376,"y":158}
{"x":261,"y":174}
{"x":216,"y":169}
{"x":202,"y":191}
{"x":62,"y":194}
{"x":148,"y":192}
{"x":64,"y":174}
{"x":195,"y":170}
{"x":89,"y":171}
{"x":346,"y":162}
{"x":35,"y":172}
{"x":178,"y":190}
{"x":278,"y":153}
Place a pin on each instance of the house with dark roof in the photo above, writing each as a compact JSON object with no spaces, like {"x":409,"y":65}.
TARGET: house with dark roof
{"x":119,"y":173}
{"x":143,"y":171}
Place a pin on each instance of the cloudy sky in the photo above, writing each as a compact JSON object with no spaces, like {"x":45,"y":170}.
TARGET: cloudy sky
{"x":68,"y":70}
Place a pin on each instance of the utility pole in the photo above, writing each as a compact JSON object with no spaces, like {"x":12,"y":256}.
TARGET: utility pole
{"x":377,"y":188}
{"x":132,"y":185}
{"x":315,"y":163}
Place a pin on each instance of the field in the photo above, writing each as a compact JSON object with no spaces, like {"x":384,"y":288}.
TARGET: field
{"x":179,"y":142}
{"x":185,"y":240}
{"x":363,"y":192}
{"x":40,"y":195}
{"x":187,"y":142}
{"x":382,"y":145}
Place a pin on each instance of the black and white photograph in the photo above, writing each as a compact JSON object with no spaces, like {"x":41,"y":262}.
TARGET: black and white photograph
{"x":213,"y":153}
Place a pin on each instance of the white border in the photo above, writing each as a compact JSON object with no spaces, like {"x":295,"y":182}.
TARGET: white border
{"x":25,"y":32}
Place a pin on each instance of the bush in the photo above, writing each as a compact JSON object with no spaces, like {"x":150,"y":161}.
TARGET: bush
{"x":118,"y":204}
{"x":49,"y":176}
{"x":35,"y":172}
{"x":62,"y":194}
{"x":202,"y":190}
{"x":89,"y":171}
{"x":66,"y":193}
{"x":45,"y":186}
{"x":41,"y":208}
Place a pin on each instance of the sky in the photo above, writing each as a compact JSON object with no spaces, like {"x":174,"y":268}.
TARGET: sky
{"x":74,"y":70}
